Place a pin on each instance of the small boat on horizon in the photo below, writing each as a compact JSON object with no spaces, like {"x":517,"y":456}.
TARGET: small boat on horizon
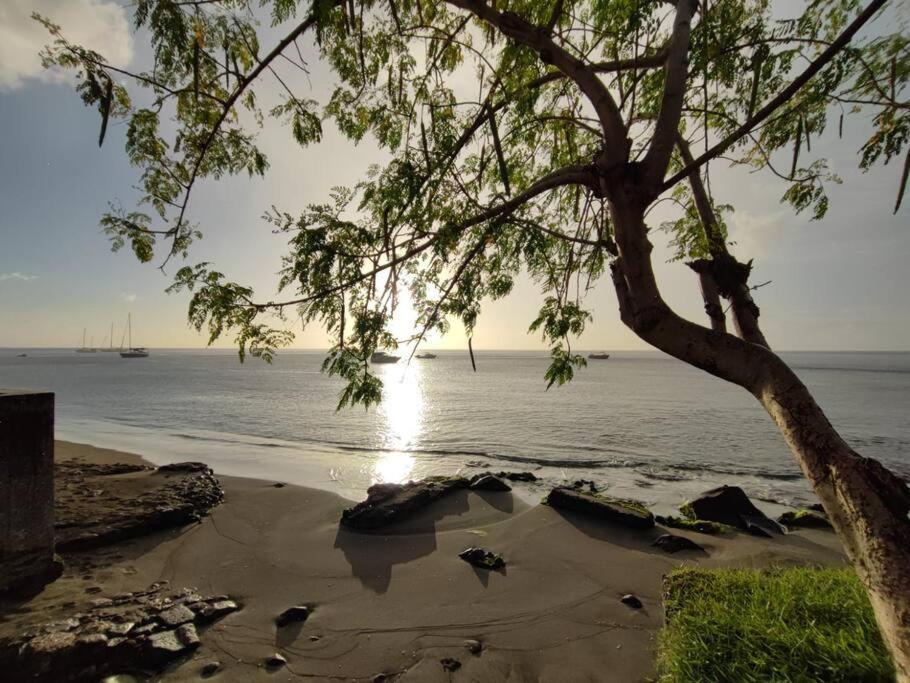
{"x":133,"y":351}
{"x":382,"y":357}
{"x":84,"y":348}
{"x":425,"y":356}
{"x":111,"y":348}
{"x":599,"y":356}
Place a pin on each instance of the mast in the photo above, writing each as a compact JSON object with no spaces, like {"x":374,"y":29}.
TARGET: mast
{"x":112,"y":336}
{"x":129,"y":326}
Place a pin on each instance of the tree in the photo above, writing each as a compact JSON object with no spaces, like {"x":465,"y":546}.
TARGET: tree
{"x":577,"y":118}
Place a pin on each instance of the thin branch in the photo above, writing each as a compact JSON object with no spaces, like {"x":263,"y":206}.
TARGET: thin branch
{"x":783,"y":96}
{"x":676,"y":73}
{"x":581,"y":73}
{"x":568,"y":175}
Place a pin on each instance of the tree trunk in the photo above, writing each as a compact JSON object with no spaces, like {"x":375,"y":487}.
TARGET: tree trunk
{"x":867,"y":504}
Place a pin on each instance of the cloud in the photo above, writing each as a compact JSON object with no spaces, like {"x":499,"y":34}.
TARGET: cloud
{"x":129,"y":297}
{"x":754,"y":234}
{"x":98,"y":24}
{"x":17,"y":276}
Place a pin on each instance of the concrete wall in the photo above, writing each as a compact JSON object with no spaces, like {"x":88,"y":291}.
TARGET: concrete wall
{"x":26,"y":490}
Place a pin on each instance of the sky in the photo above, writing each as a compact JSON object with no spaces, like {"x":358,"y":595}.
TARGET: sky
{"x":837,"y":284}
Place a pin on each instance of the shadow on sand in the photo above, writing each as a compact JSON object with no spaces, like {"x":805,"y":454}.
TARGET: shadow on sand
{"x":372,"y":555}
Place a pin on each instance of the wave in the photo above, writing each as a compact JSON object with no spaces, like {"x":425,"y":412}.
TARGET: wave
{"x":680,"y":471}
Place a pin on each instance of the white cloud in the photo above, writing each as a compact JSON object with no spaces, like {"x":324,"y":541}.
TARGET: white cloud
{"x":755,"y":233}
{"x":17,"y":276}
{"x":129,"y":297}
{"x":99,"y":24}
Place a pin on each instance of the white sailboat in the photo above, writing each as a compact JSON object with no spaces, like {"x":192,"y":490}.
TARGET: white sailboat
{"x":133,"y":351}
{"x":84,"y":348}
{"x":111,"y":348}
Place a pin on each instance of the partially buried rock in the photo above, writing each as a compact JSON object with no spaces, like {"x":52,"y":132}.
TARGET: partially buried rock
{"x":674,"y":544}
{"x":450,"y":664}
{"x":167,"y":644}
{"x":481,"y":558}
{"x":626,"y":513}
{"x":389,"y":503}
{"x":806,"y":519}
{"x":474,"y":646}
{"x":296,"y":614}
{"x":176,"y":615}
{"x":526,"y":477}
{"x":729,"y":505}
{"x":276,"y":661}
{"x":135,"y":502}
{"x":631,"y":600}
{"x":762,"y":526}
{"x":487,"y":482}
{"x":210,"y":668}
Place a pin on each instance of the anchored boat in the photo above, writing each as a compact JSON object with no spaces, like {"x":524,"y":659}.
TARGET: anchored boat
{"x":133,"y":351}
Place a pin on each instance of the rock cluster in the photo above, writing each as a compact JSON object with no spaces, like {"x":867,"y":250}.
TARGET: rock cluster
{"x":137,"y":633}
{"x":101,"y":504}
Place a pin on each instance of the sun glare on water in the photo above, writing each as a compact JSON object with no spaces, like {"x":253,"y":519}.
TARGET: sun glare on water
{"x":402,"y":407}
{"x":402,"y":413}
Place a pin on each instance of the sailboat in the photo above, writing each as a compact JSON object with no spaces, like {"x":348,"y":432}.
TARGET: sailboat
{"x":109,"y":349}
{"x":84,"y":348}
{"x":131,"y":351}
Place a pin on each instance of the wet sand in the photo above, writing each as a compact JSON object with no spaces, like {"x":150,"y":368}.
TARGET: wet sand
{"x":399,"y":602}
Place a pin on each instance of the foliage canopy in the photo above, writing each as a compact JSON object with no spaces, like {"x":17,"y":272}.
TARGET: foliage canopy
{"x":498,"y":120}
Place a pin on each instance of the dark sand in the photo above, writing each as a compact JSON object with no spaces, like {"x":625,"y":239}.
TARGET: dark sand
{"x":398,"y":603}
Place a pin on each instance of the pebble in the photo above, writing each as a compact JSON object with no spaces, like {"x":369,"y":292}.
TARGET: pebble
{"x":631,"y":600}
{"x":209,"y":668}
{"x":275,"y":661}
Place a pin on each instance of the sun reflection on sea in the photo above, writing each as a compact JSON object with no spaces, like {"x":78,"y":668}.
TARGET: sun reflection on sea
{"x":401,"y":412}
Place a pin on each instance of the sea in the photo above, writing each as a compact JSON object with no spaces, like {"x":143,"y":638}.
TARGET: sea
{"x":640,"y":425}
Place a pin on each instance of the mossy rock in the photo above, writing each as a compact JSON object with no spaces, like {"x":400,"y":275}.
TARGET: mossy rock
{"x":701,"y":526}
{"x":628,"y":513}
{"x":805,"y":519}
{"x":686,"y":510}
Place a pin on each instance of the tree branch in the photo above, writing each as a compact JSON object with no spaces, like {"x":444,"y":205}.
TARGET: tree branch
{"x":782,"y":97}
{"x":676,"y":73}
{"x":581,"y":73}
{"x":568,"y":175}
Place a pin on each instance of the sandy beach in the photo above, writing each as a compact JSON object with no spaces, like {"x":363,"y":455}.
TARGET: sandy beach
{"x":399,"y":602}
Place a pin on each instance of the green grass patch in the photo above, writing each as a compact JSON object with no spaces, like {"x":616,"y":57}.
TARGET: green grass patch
{"x":784,"y":625}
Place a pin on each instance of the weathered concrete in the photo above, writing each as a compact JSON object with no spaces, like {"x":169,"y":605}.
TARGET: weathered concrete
{"x":26,"y":491}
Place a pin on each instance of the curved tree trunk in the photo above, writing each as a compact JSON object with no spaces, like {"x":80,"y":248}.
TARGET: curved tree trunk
{"x":867,"y":504}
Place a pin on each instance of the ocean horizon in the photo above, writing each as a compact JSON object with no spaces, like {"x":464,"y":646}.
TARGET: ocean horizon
{"x":641,"y":424}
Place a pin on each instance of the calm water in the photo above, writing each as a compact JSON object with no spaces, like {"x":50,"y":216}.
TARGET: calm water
{"x":644,"y":425}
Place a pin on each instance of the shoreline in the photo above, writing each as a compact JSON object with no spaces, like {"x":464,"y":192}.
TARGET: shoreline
{"x":349,"y":471}
{"x":400,"y":601}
